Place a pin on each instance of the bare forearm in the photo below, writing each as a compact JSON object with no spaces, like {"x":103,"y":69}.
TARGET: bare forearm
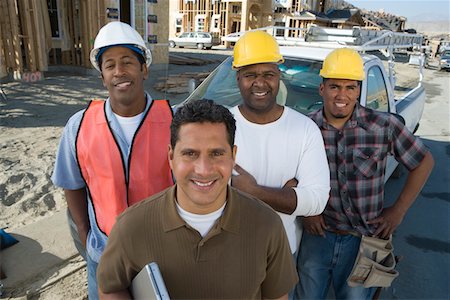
{"x":77,"y":204}
{"x":283,"y":200}
{"x":414,"y":183}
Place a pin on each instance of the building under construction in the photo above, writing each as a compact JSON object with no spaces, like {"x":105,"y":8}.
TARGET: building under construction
{"x":230,"y":16}
{"x":37,"y":33}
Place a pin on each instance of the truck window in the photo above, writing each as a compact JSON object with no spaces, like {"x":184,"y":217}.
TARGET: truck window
{"x":301,"y":78}
{"x":377,"y":97}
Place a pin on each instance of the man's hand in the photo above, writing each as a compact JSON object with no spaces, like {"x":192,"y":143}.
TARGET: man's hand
{"x":314,"y":225}
{"x":291,"y":183}
{"x":387,"y":222}
{"x":244,"y":181}
{"x":282,"y":199}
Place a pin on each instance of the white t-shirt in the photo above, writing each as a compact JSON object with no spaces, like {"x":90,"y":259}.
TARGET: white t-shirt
{"x":201,"y":223}
{"x":290,"y":147}
{"x":129,"y":125}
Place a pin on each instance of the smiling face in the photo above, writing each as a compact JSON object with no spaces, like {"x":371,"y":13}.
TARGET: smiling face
{"x":123,"y":75}
{"x":202,"y":161}
{"x":259,"y":85}
{"x":339,"y":97}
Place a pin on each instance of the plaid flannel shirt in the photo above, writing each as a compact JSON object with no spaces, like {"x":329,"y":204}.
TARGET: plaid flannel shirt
{"x":357,"y":157}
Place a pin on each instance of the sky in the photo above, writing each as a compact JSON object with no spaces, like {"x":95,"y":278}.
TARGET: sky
{"x":427,"y":10}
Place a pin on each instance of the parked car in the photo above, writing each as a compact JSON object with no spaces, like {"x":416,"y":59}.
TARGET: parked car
{"x":197,"y":40}
{"x":444,"y":60}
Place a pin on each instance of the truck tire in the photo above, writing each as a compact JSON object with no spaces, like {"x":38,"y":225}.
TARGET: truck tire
{"x":200,"y":46}
{"x":172,"y":44}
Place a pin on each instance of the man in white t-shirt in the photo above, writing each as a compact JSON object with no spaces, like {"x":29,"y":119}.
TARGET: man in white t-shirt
{"x":281,"y":158}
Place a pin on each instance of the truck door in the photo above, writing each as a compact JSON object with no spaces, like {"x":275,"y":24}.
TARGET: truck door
{"x":377,"y":98}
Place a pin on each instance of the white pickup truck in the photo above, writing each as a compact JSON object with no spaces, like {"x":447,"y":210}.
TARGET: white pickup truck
{"x":300,"y":83}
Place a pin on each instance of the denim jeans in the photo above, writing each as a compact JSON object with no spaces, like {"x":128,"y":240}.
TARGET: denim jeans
{"x":92,"y":279}
{"x":323,"y":261}
{"x":291,"y":294}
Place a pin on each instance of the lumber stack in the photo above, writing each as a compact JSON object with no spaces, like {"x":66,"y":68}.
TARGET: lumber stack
{"x":178,"y":83}
{"x":178,"y":59}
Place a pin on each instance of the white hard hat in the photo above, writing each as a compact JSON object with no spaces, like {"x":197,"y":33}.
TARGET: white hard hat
{"x":115,"y":34}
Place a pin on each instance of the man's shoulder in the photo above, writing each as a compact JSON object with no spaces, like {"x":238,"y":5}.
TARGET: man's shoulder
{"x":315,"y":114}
{"x":298,"y":117}
{"x":141,"y":208}
{"x":301,"y":123}
{"x":75,"y":119}
{"x":376,"y":118}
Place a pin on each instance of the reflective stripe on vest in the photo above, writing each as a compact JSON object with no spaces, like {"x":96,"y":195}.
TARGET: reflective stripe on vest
{"x":102,"y":163}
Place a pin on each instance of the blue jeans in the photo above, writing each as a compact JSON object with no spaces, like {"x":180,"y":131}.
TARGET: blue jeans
{"x":291,"y":294}
{"x":323,"y":261}
{"x":92,"y":278}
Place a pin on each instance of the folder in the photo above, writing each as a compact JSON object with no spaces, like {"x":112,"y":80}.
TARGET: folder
{"x":149,"y":284}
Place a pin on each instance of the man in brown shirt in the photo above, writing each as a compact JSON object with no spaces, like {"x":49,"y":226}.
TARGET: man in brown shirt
{"x":209,"y":240}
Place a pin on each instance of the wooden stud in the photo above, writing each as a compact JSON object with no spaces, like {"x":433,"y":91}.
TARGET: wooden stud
{"x":15,"y":48}
{"x":5,"y":37}
{"x":27,"y":37}
{"x":40,"y":47}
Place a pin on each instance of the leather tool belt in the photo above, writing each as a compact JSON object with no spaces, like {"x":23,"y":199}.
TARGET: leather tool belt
{"x":375,"y":263}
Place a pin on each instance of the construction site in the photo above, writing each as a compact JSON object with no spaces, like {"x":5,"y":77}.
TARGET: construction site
{"x":46,"y":76}
{"x":36,"y":35}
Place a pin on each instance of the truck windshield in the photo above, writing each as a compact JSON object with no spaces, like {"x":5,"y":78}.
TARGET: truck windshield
{"x":299,"y":86}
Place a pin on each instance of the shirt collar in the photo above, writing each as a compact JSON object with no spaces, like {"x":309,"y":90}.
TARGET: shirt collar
{"x":110,"y":114}
{"x":358,"y":118}
{"x":229,"y":221}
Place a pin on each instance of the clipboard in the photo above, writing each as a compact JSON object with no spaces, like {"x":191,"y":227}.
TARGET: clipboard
{"x":149,"y":284}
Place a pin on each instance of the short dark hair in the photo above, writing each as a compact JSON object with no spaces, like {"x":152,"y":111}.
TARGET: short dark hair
{"x":202,"y":111}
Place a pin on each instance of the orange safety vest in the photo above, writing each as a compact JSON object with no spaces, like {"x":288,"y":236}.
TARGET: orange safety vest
{"x":102,"y":164}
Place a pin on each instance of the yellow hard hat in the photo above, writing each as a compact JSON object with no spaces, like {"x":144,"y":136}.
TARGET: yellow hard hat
{"x":256,"y":47}
{"x":343,"y":63}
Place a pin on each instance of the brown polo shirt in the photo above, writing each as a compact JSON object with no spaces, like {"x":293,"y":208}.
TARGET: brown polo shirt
{"x":245,"y":255}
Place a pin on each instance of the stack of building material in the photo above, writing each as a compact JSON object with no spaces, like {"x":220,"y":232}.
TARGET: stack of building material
{"x":178,"y":59}
{"x":178,"y":83}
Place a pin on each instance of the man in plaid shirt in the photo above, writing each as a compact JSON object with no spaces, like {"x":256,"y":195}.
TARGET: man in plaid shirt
{"x":358,"y":141}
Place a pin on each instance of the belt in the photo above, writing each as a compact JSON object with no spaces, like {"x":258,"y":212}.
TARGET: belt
{"x":344,"y":232}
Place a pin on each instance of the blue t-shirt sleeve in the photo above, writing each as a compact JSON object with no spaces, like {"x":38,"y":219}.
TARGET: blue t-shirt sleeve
{"x":66,"y":173}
